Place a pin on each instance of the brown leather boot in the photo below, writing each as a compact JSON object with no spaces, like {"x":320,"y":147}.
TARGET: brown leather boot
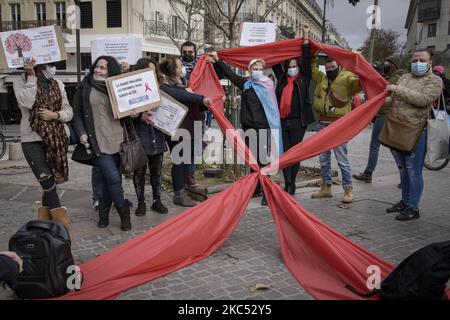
{"x":363,"y":176}
{"x":348,"y":196}
{"x":44,"y":214}
{"x":324,"y":192}
{"x":60,"y":215}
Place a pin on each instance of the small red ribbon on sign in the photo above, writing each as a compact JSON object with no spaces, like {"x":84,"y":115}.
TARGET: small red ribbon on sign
{"x":147,"y":87}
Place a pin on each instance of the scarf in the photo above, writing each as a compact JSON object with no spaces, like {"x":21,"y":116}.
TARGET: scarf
{"x":265,"y":90}
{"x":99,"y":85}
{"x":286,"y":97}
{"x":52,"y":132}
{"x":189,"y":66}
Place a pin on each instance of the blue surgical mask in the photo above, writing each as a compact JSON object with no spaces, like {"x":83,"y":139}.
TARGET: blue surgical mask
{"x":257,"y":74}
{"x":292,"y":72}
{"x":419,"y":68}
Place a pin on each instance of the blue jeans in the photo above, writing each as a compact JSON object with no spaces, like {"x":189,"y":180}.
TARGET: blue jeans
{"x":110,"y":184}
{"x":410,"y":167}
{"x":342,"y":159}
{"x":374,"y":144}
{"x":97,"y":184}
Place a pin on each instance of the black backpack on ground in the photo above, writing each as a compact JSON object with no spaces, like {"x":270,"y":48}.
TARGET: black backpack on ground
{"x":44,"y":247}
{"x":421,"y":276}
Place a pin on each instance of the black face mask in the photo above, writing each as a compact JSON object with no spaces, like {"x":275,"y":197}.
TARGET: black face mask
{"x":332,"y":74}
{"x":188,"y":57}
{"x":386,"y":69}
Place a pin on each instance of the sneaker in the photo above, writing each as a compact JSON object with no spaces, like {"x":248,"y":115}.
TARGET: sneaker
{"x":408,"y":214}
{"x":157,"y":206}
{"x":397,"y":207}
{"x":364,"y":177}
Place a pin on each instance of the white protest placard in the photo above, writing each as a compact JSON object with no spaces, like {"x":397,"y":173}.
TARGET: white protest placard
{"x":124,"y":49}
{"x":44,"y":44}
{"x":138,"y":91}
{"x":169,"y":116}
{"x":254,"y":33}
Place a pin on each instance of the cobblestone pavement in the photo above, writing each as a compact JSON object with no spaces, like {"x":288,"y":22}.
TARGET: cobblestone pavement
{"x":251,"y":255}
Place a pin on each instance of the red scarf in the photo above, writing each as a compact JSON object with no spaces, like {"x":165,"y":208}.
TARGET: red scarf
{"x":286,"y":97}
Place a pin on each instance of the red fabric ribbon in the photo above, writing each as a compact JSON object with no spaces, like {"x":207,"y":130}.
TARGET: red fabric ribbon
{"x":286,"y":97}
{"x":322,"y":260}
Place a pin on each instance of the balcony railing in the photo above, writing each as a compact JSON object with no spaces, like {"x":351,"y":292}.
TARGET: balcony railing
{"x":245,"y":17}
{"x":154,"y":28}
{"x":16,"y":25}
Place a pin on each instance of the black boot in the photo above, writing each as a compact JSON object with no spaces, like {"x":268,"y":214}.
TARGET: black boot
{"x":103,"y":213}
{"x":157,"y":206}
{"x":125,"y":221}
{"x":141,"y":209}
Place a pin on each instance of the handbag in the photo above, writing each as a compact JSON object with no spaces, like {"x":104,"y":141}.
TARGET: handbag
{"x":438,"y":135}
{"x":398,"y":135}
{"x":132,"y":153}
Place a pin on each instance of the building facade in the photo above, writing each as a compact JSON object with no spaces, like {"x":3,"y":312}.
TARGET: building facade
{"x":428,"y":24}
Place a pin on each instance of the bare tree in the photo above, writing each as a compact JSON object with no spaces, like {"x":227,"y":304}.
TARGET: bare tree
{"x":386,"y":44}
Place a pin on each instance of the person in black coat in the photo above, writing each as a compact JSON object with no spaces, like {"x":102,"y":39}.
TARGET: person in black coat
{"x":176,"y":87}
{"x":154,"y":143}
{"x":295,"y":105}
{"x":256,"y":118}
{"x":100,"y":138}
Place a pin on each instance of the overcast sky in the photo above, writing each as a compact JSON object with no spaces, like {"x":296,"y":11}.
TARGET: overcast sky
{"x":351,"y":21}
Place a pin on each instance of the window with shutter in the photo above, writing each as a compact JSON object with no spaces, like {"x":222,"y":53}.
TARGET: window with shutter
{"x":114,"y":13}
{"x":86,"y":15}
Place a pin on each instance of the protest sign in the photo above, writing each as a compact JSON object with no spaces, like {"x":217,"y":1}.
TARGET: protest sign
{"x":257,"y":33}
{"x":124,"y":49}
{"x":44,"y":44}
{"x":136,"y":90}
{"x":169,"y":116}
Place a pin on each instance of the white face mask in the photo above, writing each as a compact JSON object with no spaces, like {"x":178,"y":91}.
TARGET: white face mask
{"x":292,"y":72}
{"x":49,"y":72}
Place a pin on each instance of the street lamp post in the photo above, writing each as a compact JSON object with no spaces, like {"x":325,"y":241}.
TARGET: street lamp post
{"x":77,"y":35}
{"x":324,"y":20}
{"x":372,"y":32}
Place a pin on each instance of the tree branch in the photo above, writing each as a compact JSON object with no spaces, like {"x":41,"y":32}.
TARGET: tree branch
{"x":273,"y":6}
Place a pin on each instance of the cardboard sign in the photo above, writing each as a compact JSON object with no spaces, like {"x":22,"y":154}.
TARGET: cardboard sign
{"x":257,"y":33}
{"x":136,"y":90}
{"x":169,"y":116}
{"x":44,"y":44}
{"x":124,"y":49}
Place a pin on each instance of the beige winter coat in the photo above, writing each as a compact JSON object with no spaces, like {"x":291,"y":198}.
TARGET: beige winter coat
{"x":25,"y":91}
{"x":412,"y":99}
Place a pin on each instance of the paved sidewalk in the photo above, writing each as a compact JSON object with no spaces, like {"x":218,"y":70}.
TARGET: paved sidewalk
{"x":251,"y":255}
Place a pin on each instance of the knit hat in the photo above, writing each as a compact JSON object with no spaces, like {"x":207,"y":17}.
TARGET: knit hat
{"x":394,"y":60}
{"x":255,"y":61}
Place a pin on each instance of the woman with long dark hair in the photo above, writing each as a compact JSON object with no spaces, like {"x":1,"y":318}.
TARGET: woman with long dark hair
{"x":100,"y":138}
{"x":45,"y":137}
{"x":294,"y":103}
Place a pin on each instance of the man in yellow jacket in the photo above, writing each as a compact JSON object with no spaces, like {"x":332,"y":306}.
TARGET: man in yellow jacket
{"x":332,"y":100}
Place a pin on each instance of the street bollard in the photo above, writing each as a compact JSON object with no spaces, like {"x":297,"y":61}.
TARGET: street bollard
{"x":15,"y":151}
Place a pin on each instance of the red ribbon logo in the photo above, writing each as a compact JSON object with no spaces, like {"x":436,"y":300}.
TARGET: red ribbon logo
{"x":147,"y":87}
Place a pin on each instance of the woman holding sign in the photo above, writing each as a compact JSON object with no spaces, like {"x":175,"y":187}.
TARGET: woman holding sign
{"x":45,"y":137}
{"x":176,"y":87}
{"x":101,"y":137}
{"x":154,"y":142}
{"x":294,"y":103}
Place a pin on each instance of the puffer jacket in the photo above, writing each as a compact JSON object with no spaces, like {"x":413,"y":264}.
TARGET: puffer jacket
{"x":393,"y":79}
{"x":346,"y":84}
{"x":412,"y":99}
